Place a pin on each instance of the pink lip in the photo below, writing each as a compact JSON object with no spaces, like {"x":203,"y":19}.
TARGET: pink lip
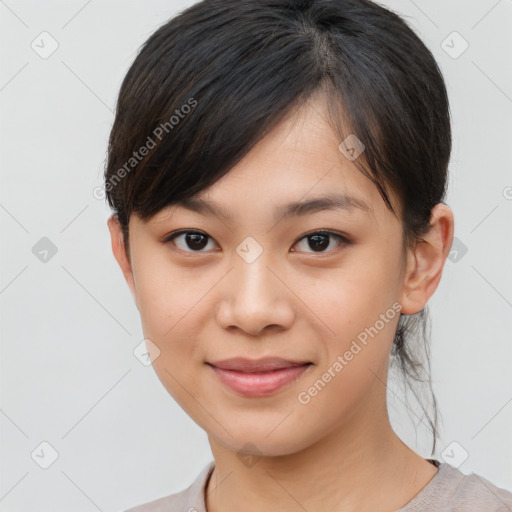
{"x":258,"y":378}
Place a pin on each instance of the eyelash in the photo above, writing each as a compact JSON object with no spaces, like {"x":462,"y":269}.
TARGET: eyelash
{"x":343,"y":240}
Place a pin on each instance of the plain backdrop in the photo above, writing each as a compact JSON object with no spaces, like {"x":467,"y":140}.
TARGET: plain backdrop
{"x":69,"y":326}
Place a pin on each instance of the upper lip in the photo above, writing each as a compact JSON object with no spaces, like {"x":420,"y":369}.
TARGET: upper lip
{"x":242,"y":364}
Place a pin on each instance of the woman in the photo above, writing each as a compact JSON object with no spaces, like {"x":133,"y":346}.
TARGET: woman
{"x":277,"y":171}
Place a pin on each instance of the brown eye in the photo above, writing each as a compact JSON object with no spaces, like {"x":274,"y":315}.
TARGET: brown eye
{"x":189,"y":241}
{"x":319,"y":241}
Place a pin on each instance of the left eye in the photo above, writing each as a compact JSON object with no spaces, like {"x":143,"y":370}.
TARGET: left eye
{"x":321,"y":240}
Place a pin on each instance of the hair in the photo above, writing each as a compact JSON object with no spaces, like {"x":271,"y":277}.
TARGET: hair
{"x":216,"y":78}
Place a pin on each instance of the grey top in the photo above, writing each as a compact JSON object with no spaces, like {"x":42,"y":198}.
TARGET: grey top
{"x":448,"y":491}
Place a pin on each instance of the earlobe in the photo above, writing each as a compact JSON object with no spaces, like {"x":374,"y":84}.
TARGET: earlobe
{"x":119,"y":251}
{"x":426,"y":261}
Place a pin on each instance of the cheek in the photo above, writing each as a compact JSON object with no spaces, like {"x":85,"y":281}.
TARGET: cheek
{"x":166,"y":294}
{"x":173,"y":307}
{"x":352,"y":369}
{"x":172,"y":316}
{"x":352,"y":298}
{"x":359,"y":306}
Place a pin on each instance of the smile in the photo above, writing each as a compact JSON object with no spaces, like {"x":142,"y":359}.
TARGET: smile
{"x":259,"y":383}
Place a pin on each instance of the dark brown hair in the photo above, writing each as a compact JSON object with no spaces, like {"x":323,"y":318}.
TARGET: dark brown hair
{"x":215,"y":79}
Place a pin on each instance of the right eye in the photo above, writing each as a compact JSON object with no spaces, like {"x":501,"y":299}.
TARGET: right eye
{"x":189,"y":240}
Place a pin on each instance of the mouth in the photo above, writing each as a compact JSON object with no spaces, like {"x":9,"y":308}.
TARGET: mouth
{"x":258,"y":378}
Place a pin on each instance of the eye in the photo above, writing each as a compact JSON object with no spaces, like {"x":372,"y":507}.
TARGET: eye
{"x":196,"y":241}
{"x":321,"y":240}
{"x":185,"y":240}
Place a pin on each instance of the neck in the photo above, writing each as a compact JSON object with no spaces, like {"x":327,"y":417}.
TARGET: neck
{"x":361,"y":466}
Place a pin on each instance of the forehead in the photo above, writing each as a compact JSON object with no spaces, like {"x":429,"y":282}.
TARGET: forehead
{"x":297,"y":168}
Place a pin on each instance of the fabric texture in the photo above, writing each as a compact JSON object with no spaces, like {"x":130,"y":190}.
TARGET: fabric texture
{"x":450,"y":490}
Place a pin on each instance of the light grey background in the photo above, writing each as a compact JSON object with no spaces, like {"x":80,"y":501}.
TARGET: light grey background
{"x":69,"y":325}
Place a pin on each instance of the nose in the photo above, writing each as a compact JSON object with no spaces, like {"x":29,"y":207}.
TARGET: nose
{"x":256,"y":297}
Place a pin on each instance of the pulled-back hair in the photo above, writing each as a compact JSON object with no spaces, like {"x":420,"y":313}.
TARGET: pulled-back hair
{"x":215,"y":79}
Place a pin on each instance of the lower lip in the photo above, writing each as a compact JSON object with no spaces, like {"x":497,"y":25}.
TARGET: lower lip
{"x":259,"y":384}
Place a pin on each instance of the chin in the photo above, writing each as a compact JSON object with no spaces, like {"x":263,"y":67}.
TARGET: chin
{"x":257,"y":441}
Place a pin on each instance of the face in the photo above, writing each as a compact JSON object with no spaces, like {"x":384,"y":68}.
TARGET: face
{"x":320,"y":285}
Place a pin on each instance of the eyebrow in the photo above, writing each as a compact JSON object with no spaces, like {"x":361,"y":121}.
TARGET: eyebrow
{"x":294,"y":209}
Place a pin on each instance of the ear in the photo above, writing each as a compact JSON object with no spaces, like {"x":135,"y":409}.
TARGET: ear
{"x":425,"y":262}
{"x":119,"y":250}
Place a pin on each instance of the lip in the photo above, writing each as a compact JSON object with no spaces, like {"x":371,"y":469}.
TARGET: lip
{"x":258,"y":377}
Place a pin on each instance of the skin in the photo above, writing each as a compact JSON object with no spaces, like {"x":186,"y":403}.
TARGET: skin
{"x":295,"y":301}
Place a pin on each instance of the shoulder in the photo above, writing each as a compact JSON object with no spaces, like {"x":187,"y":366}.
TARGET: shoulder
{"x":452,"y":491}
{"x":474,"y":492}
{"x":190,"y":499}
